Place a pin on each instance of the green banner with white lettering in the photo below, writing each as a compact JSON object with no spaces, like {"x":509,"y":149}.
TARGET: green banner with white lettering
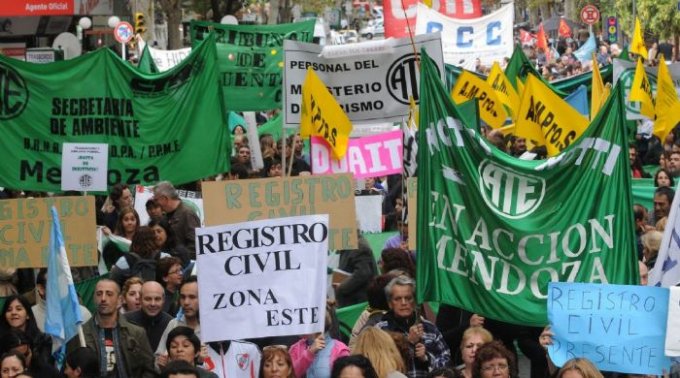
{"x":250,"y":59}
{"x":167,"y":126}
{"x":496,"y":229}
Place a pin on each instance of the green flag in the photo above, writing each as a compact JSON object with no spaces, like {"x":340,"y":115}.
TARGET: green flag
{"x":146,"y":63}
{"x":250,"y":59}
{"x":494,"y":230}
{"x":167,"y":126}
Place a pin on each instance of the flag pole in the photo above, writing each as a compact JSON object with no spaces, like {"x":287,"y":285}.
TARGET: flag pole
{"x":81,"y":336}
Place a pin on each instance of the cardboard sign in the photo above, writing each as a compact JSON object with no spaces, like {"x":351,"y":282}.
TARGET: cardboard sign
{"x":619,"y":328}
{"x":262,"y":278}
{"x":371,"y":81}
{"x":243,"y":200}
{"x":84,"y":166}
{"x":371,"y":156}
{"x":25,"y":231}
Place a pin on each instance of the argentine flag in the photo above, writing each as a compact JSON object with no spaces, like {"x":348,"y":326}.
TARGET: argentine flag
{"x":63,"y":310}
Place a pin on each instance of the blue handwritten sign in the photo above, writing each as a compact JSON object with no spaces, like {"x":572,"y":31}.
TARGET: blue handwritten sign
{"x":619,"y":328}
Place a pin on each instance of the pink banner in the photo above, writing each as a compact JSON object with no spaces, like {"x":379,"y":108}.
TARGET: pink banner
{"x":396,"y":16}
{"x":370,"y":156}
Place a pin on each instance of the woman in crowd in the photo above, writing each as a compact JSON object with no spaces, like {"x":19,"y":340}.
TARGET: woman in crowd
{"x":663,"y":178}
{"x":379,"y":347}
{"x":167,"y":242}
{"x":473,"y":339}
{"x":314,"y":355}
{"x":183,"y":344}
{"x":353,"y":366}
{"x":18,"y":315}
{"x":131,"y":295}
{"x":126,"y":227}
{"x":276,"y":362}
{"x":119,"y":198}
{"x":377,"y":306}
{"x":82,"y":363}
{"x":143,"y":247}
{"x":396,"y":261}
{"x":651,"y":243}
{"x":494,"y":360}
{"x":169,"y":274}
{"x":579,"y":368}
{"x":17,"y":341}
{"x":12,"y":364}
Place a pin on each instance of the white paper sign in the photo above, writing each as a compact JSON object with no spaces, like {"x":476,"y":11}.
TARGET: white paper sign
{"x":489,"y":38}
{"x":84,"y":166}
{"x":371,"y":87}
{"x":673,"y":323}
{"x":369,"y":213}
{"x":262,"y":278}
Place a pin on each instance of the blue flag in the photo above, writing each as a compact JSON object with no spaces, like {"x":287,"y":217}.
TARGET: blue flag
{"x":578,"y":100}
{"x":63,"y":310}
{"x":585,"y":52}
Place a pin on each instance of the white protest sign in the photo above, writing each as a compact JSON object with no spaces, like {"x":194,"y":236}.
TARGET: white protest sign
{"x":165,"y":59}
{"x":84,"y":166}
{"x":371,"y":81}
{"x":489,"y":38}
{"x":262,"y":278}
{"x":369,"y":216}
{"x":144,"y":193}
{"x":672,"y":347}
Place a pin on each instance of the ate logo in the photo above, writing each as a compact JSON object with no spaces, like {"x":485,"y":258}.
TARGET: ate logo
{"x":13,"y":93}
{"x":402,"y":78}
{"x":508,"y":193}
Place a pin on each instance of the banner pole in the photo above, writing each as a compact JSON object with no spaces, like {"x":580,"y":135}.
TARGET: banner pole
{"x":410,"y":34}
{"x":81,"y":335}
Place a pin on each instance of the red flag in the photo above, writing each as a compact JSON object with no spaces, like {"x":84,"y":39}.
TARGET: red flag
{"x":564,"y":30}
{"x":542,"y":41}
{"x":525,"y":37}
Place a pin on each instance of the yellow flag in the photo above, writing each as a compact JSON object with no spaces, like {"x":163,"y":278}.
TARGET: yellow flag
{"x":637,"y":45}
{"x":413,"y":114}
{"x":520,"y":88}
{"x":667,"y":103}
{"x":322,"y":116}
{"x":469,"y":86}
{"x":546,"y":119}
{"x":641,"y":90}
{"x":504,"y":89}
{"x":599,"y":93}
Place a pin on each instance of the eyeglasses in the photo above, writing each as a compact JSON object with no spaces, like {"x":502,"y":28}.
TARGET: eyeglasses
{"x":174,"y":272}
{"x":499,"y":367}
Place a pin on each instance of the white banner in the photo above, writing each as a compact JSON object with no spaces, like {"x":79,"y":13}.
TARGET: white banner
{"x":488,"y":38}
{"x":672,"y":344}
{"x":262,"y":278}
{"x":372,"y":81}
{"x":624,"y":72}
{"x":166,"y":59}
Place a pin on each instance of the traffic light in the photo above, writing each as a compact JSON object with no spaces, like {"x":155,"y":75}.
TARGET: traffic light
{"x":140,"y":23}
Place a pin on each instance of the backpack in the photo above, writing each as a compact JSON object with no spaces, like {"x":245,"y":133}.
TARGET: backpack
{"x":141,"y":267}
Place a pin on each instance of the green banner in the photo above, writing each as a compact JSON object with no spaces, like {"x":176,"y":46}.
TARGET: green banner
{"x":250,"y":60}
{"x":168,"y":126}
{"x":146,"y":63}
{"x":497,"y":229}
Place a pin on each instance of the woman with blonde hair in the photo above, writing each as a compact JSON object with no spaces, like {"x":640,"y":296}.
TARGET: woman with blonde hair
{"x":579,"y":368}
{"x":473,"y":339}
{"x":379,"y":347}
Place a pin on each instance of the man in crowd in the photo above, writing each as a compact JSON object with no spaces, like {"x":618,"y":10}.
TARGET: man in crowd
{"x":361,"y":266}
{"x":122,"y":347}
{"x":663,"y":198}
{"x":428,"y":349}
{"x":40,"y":307}
{"x":674,"y":163}
{"x":182,"y":219}
{"x":151,"y":316}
